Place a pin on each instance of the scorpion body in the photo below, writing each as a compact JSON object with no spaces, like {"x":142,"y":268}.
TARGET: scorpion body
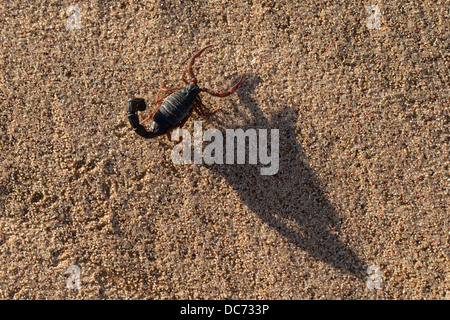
{"x":175,"y":107}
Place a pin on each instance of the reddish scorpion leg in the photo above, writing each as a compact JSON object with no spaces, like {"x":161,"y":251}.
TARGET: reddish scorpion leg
{"x":164,"y":89}
{"x":202,"y":110}
{"x":151,"y":116}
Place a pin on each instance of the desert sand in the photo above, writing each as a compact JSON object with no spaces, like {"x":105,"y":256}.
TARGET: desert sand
{"x":359,"y":91}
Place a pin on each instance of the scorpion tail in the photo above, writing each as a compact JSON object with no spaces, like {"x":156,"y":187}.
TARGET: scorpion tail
{"x":134,"y":105}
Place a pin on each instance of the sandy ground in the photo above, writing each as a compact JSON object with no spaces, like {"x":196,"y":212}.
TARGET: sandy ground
{"x":363,"y":114}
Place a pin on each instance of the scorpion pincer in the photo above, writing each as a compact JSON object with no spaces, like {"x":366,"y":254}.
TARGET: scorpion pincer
{"x":175,"y":106}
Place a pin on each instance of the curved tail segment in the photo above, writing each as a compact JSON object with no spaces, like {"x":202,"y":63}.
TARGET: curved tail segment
{"x":133,"y":106}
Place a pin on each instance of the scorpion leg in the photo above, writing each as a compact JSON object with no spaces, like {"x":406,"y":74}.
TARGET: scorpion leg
{"x":163,"y":89}
{"x":224,"y":93}
{"x":191,"y":63}
{"x":197,"y":108}
{"x":151,"y":116}
{"x":201,"y":109}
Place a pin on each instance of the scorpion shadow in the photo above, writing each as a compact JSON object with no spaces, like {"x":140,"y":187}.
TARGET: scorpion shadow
{"x":290,"y":201}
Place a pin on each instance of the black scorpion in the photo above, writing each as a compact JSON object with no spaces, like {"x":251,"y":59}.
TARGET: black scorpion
{"x":175,"y":107}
